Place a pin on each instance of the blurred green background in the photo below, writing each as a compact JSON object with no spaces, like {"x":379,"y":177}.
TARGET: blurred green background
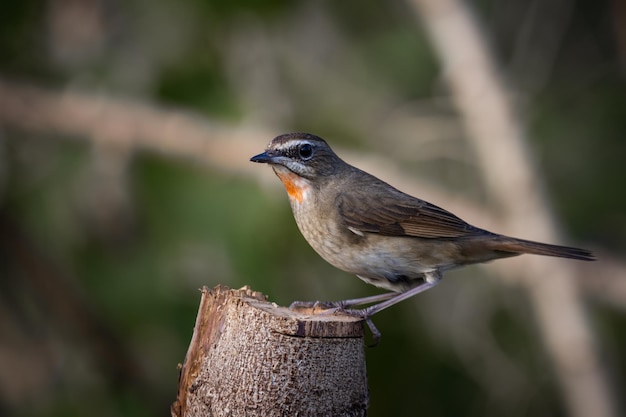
{"x":103,"y":248}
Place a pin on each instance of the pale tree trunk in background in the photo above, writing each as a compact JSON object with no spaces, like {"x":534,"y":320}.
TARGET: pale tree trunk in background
{"x":498,"y":139}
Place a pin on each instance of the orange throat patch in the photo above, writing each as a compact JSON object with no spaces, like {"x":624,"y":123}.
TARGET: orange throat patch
{"x":297,"y":187}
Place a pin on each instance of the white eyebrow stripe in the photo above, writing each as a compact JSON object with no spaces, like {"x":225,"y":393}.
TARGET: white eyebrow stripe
{"x":292,"y":144}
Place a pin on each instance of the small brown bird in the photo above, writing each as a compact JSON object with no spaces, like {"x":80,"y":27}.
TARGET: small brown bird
{"x":390,"y":239}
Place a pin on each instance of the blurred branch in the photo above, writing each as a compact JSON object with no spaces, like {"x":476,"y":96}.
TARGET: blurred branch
{"x":122,"y":123}
{"x":509,"y":173}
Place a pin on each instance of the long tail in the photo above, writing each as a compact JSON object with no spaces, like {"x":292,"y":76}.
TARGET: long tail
{"x":519,"y":246}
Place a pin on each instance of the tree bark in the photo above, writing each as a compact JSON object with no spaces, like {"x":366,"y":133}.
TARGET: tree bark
{"x":251,"y":357}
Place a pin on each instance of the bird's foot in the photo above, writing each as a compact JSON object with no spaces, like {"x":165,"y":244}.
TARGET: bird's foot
{"x":365,"y":314}
{"x":321,"y":305}
{"x":343,"y":304}
{"x":338,"y":307}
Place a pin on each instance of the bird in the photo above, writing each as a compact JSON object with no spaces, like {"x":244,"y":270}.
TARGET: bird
{"x":390,"y":239}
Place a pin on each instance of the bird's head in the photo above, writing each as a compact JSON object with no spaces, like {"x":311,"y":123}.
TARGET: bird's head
{"x":303,"y":154}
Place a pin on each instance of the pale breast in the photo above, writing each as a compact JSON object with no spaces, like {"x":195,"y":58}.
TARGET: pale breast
{"x":393,"y":263}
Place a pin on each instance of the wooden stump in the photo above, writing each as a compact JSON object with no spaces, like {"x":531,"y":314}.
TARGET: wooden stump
{"x":251,"y":357}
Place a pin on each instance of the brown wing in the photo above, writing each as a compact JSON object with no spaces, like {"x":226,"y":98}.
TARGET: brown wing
{"x":394,"y":213}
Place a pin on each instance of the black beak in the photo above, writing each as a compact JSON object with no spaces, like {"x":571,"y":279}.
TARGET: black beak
{"x":263,"y":158}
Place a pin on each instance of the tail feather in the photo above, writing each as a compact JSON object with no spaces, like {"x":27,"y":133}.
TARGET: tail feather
{"x":520,"y":246}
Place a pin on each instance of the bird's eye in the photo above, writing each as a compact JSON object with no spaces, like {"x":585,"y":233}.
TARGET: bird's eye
{"x":305,"y":151}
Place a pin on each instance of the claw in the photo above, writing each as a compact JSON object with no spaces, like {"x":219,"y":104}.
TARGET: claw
{"x":302,"y":304}
{"x":365,"y":315}
{"x":375,"y":333}
{"x":323,"y":305}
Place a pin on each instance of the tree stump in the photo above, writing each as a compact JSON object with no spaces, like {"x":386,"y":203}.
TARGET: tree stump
{"x":251,"y":357}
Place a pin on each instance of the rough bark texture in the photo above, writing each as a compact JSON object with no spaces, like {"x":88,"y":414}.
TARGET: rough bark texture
{"x":251,"y":357}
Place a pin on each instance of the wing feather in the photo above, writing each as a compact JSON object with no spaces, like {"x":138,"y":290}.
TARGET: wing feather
{"x":394,"y":213}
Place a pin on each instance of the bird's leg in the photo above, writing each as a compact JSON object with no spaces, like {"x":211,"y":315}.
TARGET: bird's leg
{"x":430,"y":280}
{"x":365,"y":300}
{"x":344,"y":303}
{"x":375,"y":333}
